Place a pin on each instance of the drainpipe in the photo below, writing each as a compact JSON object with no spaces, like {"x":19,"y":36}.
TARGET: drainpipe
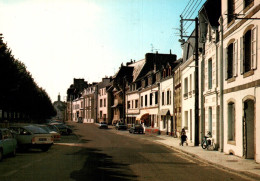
{"x":202,"y":119}
{"x":173,"y":132}
{"x":217,"y":85}
{"x":221,"y":88}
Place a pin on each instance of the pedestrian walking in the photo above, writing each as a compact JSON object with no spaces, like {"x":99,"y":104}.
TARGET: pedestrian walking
{"x":183,"y":137}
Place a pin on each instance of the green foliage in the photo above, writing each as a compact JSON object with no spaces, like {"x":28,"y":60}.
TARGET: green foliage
{"x":19,"y":92}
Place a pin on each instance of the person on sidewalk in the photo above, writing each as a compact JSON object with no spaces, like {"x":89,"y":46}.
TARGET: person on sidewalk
{"x":183,"y":136}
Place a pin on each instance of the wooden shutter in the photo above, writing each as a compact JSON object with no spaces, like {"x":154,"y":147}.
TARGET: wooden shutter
{"x":226,"y":64}
{"x":241,"y":55}
{"x":235,"y":58}
{"x":254,"y":47}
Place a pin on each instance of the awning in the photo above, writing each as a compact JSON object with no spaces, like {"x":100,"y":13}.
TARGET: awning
{"x":164,"y":112}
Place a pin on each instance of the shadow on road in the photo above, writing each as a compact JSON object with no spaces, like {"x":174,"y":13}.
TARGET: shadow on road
{"x":99,"y":166}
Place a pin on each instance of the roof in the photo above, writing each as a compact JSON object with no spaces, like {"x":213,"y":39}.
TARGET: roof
{"x":137,"y":68}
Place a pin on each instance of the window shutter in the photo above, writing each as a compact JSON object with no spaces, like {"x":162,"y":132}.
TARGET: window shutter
{"x":241,"y":55}
{"x":235,"y":58}
{"x":226,"y":64}
{"x":254,"y":47}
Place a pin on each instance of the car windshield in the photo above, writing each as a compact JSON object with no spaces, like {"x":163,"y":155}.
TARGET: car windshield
{"x":46,"y":128}
{"x":35,"y":129}
{"x":121,"y":124}
{"x":53,"y":128}
{"x":60,"y":125}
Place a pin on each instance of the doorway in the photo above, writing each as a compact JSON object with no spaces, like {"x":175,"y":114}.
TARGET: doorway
{"x":249,"y":129}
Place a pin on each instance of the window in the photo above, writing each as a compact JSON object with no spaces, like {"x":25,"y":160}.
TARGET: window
{"x":231,"y":60}
{"x":190,"y":82}
{"x":151,"y":98}
{"x":100,"y":114}
{"x":247,"y":3}
{"x":146,"y":82}
{"x":186,"y":114}
{"x":231,"y":121}
{"x":145,"y":101}
{"x":231,"y":10}
{"x":248,"y":49}
{"x":164,"y":73}
{"x":142,"y":98}
{"x":162,"y":98}
{"x":100,"y":102}
{"x":156,"y":97}
{"x":210,"y":120}
{"x":186,"y":87}
{"x":128,"y":104}
{"x":168,"y":97}
{"x":210,"y":74}
{"x":105,"y":102}
{"x":136,"y":103}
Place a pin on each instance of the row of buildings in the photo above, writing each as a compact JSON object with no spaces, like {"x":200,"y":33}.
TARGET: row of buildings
{"x":214,"y":86}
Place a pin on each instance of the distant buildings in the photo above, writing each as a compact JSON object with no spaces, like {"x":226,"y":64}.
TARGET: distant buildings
{"x":159,"y":91}
{"x":60,"y":108}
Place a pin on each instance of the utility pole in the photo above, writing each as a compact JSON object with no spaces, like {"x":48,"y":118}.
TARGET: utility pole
{"x":196,"y":104}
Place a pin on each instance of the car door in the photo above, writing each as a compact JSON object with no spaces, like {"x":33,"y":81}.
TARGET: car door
{"x":7,"y":142}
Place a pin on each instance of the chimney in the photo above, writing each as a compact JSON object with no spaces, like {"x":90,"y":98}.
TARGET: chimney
{"x":170,"y":51}
{"x":59,"y":97}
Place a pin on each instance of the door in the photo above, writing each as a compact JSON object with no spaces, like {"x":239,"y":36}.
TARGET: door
{"x":249,"y":130}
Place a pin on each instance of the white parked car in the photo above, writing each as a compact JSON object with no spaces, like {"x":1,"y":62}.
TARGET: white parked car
{"x":31,"y":136}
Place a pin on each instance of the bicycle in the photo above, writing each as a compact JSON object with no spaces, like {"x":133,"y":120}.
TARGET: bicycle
{"x":208,"y":142}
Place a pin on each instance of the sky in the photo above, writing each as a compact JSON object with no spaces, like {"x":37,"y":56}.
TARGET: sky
{"x":59,"y":40}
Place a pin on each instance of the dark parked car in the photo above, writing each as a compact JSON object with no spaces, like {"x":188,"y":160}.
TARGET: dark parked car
{"x":121,"y":126}
{"x":137,"y":128}
{"x":63,"y":129}
{"x":103,"y":125}
{"x":8,"y":143}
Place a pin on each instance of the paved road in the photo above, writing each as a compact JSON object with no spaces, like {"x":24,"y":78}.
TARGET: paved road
{"x":97,"y":154}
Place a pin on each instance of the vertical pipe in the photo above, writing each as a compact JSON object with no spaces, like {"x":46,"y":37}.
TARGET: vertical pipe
{"x":221,"y":88}
{"x":196,"y":83}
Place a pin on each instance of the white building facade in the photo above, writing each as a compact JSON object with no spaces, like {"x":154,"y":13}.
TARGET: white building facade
{"x":242,"y":78}
{"x":188,"y":98}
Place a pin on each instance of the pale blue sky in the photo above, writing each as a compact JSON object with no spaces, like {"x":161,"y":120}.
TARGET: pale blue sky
{"x":59,"y":40}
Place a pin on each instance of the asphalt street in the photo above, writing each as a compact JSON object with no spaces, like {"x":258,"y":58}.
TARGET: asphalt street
{"x":97,"y":154}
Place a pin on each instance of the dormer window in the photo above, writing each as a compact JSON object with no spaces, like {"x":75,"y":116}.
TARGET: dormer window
{"x":247,"y":3}
{"x":231,"y":11}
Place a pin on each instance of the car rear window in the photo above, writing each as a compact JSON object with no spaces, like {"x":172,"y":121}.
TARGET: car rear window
{"x":36,"y":130}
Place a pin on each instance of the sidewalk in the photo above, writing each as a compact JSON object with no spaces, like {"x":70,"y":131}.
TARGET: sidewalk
{"x":233,"y":163}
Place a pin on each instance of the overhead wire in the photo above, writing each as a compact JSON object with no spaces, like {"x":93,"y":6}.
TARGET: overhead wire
{"x":186,"y":7}
{"x":189,"y":10}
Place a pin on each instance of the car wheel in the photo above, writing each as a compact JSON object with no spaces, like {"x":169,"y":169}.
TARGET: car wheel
{"x":1,"y":155}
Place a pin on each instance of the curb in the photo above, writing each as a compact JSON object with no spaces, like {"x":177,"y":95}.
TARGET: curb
{"x":243,"y":173}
